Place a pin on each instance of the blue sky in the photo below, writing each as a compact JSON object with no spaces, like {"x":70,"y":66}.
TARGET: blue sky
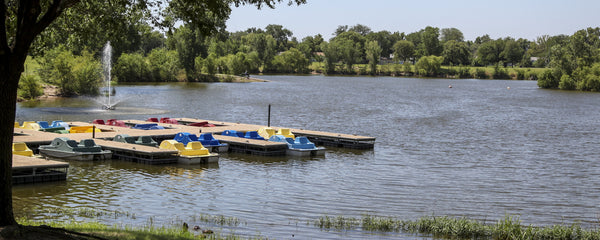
{"x":527,"y":19}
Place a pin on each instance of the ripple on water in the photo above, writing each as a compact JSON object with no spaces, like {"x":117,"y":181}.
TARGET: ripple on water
{"x":476,"y":150}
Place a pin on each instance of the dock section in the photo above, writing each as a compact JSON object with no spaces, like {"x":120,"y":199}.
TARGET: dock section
{"x":138,"y":153}
{"x":32,"y":170}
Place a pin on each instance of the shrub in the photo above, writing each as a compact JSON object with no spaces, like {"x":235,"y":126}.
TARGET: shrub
{"x":567,"y":83}
{"x":291,"y":61}
{"x":163,"y":65}
{"x":500,"y":72}
{"x":548,"y":80}
{"x":132,"y":68}
{"x":480,"y":73}
{"x":30,"y":87}
{"x":464,"y":72}
{"x":520,"y":74}
{"x":87,"y":72}
{"x":429,"y":65}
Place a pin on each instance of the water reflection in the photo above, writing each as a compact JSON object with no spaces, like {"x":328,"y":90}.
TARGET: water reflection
{"x":478,"y":150}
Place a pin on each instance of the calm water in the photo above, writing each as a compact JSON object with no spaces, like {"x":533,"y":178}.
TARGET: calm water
{"x":481,"y":149}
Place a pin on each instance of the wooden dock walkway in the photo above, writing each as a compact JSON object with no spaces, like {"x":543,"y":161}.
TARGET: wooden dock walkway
{"x":151,"y":155}
{"x":32,"y":170}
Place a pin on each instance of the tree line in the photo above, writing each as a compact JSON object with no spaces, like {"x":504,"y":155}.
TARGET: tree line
{"x":185,"y":53}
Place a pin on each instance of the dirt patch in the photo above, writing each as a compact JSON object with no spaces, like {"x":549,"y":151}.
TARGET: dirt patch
{"x":50,"y":91}
{"x":17,"y":232}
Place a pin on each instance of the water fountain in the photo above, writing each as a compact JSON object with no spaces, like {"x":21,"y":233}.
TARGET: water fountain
{"x":106,"y":67}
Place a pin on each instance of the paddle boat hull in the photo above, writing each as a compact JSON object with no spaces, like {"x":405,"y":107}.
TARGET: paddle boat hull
{"x":67,"y":149}
{"x":300,"y":146}
{"x":318,"y":151}
{"x":192,"y":153}
{"x":212,"y":158}
{"x":207,"y":140}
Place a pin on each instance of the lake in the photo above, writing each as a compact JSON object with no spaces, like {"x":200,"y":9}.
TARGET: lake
{"x":481,"y":149}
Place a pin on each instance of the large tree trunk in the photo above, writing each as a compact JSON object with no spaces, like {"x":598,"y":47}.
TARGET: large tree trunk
{"x":10,"y":72}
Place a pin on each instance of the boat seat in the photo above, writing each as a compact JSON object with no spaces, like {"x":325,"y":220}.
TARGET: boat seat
{"x":98,"y":121}
{"x":119,"y":123}
{"x":253,"y":135}
{"x":124,"y":138}
{"x":152,"y":120}
{"x":21,"y":148}
{"x":72,"y":143}
{"x":43,"y":124}
{"x":285,"y":132}
{"x":88,"y":143}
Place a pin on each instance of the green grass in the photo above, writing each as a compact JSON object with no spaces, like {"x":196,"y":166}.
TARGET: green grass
{"x":458,"y":228}
{"x":132,"y":233}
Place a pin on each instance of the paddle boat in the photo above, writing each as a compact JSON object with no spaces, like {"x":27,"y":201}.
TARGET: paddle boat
{"x":286,"y":132}
{"x":141,"y":140}
{"x":192,"y":153}
{"x":207,"y":140}
{"x":249,"y":135}
{"x":110,"y":122}
{"x":169,"y":120}
{"x":99,"y":121}
{"x":115,"y":122}
{"x":45,"y":127}
{"x":147,"y":126}
{"x":59,"y":123}
{"x":20,"y":148}
{"x":68,"y":149}
{"x":266,"y":132}
{"x":301,"y":146}
{"x":233,"y":133}
{"x":202,"y":124}
{"x":31,"y":126}
{"x":84,"y":129}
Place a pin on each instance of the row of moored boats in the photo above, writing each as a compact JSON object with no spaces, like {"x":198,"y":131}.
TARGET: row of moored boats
{"x":191,"y":148}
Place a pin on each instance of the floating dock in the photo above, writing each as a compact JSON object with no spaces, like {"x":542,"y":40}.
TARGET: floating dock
{"x":32,"y":170}
{"x":152,"y":155}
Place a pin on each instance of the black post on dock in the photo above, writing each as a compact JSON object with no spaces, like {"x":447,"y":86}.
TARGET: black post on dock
{"x":93,"y":131}
{"x":269,"y":118}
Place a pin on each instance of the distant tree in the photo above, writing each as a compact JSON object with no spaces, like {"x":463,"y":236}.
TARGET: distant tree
{"x":163,"y":65}
{"x":263,"y":44}
{"x":512,"y":53}
{"x":280,"y":34}
{"x":386,"y":41}
{"x":361,"y":29}
{"x":340,"y":29}
{"x":151,"y":40}
{"x":430,"y":44}
{"x":189,"y":44}
{"x":332,"y":55}
{"x":584,"y":46}
{"x":483,"y":39}
{"x":456,"y":53}
{"x":403,"y":50}
{"x":489,"y":52}
{"x":373,"y":52}
{"x":291,"y":61}
{"x":351,"y":47}
{"x":448,"y":34}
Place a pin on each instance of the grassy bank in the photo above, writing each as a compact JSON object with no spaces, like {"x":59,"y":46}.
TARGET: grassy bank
{"x":467,"y":72}
{"x":458,"y":228}
{"x":94,"y":230}
{"x":443,"y":227}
